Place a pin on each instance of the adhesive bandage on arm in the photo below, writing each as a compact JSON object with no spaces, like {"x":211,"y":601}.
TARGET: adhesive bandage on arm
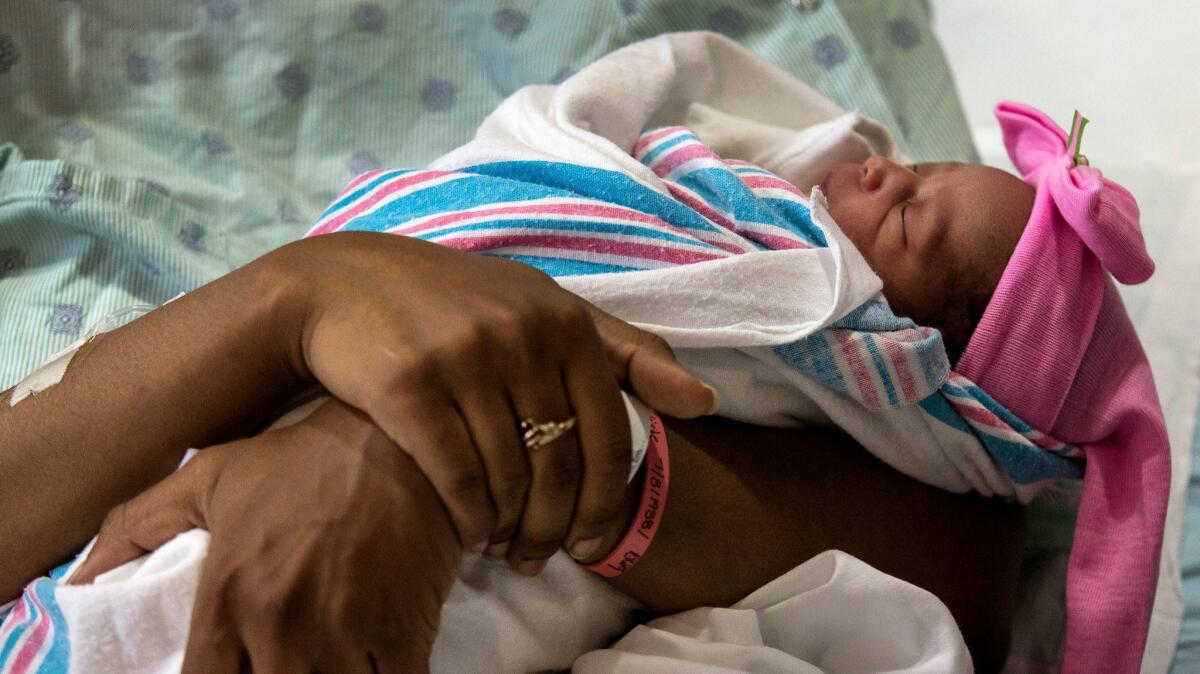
{"x":52,"y":371}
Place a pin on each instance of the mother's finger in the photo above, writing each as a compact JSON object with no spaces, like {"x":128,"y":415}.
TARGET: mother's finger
{"x":644,"y":363}
{"x":604,"y":436}
{"x":270,"y":651}
{"x":494,"y":428}
{"x":541,"y":397}
{"x":213,"y":646}
{"x":431,"y":429}
{"x":340,"y":649}
{"x":394,"y":658}
{"x":147,"y":521}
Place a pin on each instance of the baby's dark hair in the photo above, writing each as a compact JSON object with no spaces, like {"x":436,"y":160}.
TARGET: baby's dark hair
{"x":958,"y":322}
{"x":964,"y":310}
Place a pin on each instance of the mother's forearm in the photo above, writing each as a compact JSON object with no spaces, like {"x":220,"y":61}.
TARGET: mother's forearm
{"x":197,"y":371}
{"x":747,"y":504}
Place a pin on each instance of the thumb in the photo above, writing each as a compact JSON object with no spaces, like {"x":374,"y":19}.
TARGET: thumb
{"x":644,"y":363}
{"x":144,"y":523}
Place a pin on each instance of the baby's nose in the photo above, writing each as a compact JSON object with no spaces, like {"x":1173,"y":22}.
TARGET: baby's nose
{"x":876,"y":171}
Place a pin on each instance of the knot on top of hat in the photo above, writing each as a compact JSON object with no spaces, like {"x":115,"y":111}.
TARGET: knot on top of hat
{"x":1102,"y":213}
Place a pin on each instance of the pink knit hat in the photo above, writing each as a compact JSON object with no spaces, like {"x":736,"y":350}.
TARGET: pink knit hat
{"x":1056,"y":347}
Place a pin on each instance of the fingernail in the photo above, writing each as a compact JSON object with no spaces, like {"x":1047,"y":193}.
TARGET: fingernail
{"x":497,"y":549}
{"x":531,"y":567}
{"x":479,"y":547}
{"x":585,"y":548}
{"x":716,"y":403}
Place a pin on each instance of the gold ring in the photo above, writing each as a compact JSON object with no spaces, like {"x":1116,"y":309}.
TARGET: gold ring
{"x":536,"y":435}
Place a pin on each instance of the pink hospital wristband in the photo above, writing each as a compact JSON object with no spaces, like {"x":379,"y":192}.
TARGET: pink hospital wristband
{"x":650,"y":510}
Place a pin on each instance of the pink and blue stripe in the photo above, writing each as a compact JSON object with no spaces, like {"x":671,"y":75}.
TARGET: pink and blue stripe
{"x":34,"y":636}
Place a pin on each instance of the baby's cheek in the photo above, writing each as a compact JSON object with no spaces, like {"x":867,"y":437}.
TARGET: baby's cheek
{"x":911,"y":292}
{"x":858,"y":235}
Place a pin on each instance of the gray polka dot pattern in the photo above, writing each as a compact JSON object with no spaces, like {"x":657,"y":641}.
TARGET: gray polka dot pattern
{"x":829,"y":51}
{"x":369,"y":17}
{"x":9,"y":54}
{"x":728,"y":22}
{"x":562,"y":75}
{"x":292,"y":82}
{"x":363,"y":161}
{"x":289,"y":213}
{"x":904,"y":33}
{"x":149,"y":267}
{"x":214,"y":143}
{"x":438,"y":95}
{"x":191,"y":235}
{"x":628,"y":7}
{"x":141,"y":69}
{"x":74,"y":132}
{"x":66,"y":319}
{"x":12,"y":260}
{"x":509,"y":22}
{"x":223,"y":9}
{"x":62,"y":193}
{"x":155,"y":186}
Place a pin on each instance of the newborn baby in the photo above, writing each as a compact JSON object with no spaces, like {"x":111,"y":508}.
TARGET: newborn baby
{"x":1005,"y":277}
{"x":939,"y":235}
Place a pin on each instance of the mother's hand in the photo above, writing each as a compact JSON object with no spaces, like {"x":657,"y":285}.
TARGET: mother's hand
{"x":329,"y":552}
{"x":447,"y":352}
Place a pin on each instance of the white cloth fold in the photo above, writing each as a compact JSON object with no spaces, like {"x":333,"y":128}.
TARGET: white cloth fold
{"x":831,"y":614}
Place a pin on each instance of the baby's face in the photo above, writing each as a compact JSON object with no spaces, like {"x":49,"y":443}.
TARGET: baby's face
{"x":938,"y":235}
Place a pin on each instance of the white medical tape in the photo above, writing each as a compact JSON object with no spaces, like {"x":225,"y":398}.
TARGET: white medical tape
{"x":54,"y":368}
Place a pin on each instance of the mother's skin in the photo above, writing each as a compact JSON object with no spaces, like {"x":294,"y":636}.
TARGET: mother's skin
{"x":747,"y":503}
{"x":754,"y":502}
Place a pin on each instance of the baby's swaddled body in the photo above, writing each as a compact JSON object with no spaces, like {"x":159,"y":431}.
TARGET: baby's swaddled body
{"x":747,"y":277}
{"x":696,"y":230}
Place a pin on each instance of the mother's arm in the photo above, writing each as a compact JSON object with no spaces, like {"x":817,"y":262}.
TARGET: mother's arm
{"x":746,"y":505}
{"x":439,"y":347}
{"x":192,"y":374}
{"x":749,"y":503}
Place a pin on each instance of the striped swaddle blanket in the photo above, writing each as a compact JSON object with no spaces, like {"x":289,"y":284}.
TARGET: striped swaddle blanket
{"x":567,"y":219}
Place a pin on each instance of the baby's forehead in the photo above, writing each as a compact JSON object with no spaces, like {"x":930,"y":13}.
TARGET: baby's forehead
{"x":980,"y":197}
{"x":975,"y":174}
{"x":991,"y":208}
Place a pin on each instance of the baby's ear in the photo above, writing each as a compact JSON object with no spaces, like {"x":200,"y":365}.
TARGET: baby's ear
{"x":1032,"y":139}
